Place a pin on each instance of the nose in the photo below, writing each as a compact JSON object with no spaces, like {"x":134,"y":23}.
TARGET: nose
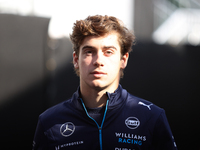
{"x":98,"y":59}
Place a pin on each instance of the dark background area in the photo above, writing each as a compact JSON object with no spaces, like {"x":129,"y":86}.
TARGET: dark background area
{"x":165,"y":75}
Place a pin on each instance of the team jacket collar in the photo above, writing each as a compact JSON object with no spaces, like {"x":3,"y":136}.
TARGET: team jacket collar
{"x":116,"y":99}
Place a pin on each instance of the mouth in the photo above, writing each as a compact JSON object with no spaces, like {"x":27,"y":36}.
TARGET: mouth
{"x":98,"y":73}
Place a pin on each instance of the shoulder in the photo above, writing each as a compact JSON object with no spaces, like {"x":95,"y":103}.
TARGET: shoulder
{"x":145,"y":111}
{"x":144,"y":106}
{"x":60,"y":112}
{"x":51,"y":114}
{"x":53,"y":109}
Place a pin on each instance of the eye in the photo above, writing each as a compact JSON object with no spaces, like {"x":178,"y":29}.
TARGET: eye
{"x":88,"y":52}
{"x":108,"y":52}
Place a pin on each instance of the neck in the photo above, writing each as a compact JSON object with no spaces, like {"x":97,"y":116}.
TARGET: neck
{"x":94,"y":99}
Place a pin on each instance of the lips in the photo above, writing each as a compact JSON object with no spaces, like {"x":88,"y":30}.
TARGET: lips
{"x":98,"y":73}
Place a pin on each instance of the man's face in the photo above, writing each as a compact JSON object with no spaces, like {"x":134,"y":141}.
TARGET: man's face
{"x":99,"y":62}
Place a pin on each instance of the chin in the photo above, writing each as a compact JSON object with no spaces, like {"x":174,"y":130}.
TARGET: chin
{"x":98,"y":85}
{"x":104,"y":87}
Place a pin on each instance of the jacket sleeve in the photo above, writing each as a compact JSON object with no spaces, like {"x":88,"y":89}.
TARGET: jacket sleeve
{"x":163,"y":138}
{"x":40,"y":141}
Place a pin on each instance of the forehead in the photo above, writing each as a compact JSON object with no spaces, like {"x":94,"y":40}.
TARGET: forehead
{"x":109,"y":39}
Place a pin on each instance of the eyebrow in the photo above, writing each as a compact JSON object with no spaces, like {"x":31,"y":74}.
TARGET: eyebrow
{"x":107,"y":47}
{"x":87,"y":46}
{"x":91,"y":47}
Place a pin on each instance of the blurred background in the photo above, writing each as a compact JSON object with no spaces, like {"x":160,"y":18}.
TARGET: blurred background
{"x":36,"y":54}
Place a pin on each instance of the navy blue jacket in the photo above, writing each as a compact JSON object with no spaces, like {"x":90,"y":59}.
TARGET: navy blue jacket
{"x":129,"y":123}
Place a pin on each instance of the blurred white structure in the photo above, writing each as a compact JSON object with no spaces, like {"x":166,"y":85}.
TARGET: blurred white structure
{"x":64,"y":13}
{"x":162,"y":21}
{"x":183,"y":26}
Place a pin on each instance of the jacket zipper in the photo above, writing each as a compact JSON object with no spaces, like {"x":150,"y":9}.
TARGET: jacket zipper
{"x":99,"y":127}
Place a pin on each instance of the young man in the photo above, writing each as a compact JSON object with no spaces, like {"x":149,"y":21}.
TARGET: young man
{"x":101,"y":115}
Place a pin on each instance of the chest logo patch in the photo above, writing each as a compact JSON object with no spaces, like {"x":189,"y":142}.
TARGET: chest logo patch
{"x":132,"y":122}
{"x":67,"y":129}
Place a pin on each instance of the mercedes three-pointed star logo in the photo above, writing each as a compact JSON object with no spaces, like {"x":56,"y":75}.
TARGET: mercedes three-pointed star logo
{"x":67,"y":129}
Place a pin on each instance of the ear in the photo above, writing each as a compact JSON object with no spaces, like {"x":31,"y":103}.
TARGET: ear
{"x":124,"y":60}
{"x":75,"y":60}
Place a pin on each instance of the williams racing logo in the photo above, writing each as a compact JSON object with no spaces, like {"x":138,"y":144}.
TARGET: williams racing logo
{"x":129,"y":138}
{"x":67,"y":129}
{"x":132,"y":122}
